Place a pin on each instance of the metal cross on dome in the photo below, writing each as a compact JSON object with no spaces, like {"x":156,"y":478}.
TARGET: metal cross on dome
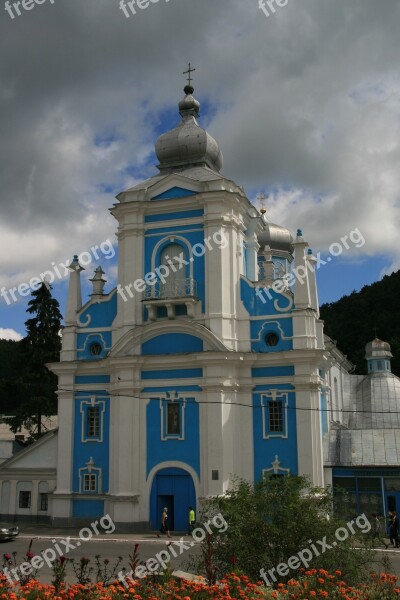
{"x":190,"y":71}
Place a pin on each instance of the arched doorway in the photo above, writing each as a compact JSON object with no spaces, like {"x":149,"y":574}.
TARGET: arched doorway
{"x":173,"y":488}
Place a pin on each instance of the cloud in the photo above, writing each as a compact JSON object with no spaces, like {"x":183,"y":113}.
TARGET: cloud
{"x":305,"y":105}
{"x":10,"y":334}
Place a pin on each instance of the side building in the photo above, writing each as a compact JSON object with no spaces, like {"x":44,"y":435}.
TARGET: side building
{"x":362,"y":448}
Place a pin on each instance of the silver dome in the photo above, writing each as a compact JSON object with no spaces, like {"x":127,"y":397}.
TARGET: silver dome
{"x":188,"y":144}
{"x":275,"y":236}
{"x":378,"y":349}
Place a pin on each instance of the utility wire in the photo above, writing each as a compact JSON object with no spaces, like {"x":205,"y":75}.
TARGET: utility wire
{"x":320,"y":410}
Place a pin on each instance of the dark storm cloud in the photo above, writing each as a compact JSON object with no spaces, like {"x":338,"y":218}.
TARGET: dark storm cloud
{"x":305,"y":102}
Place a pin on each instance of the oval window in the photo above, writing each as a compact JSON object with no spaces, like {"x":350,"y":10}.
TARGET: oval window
{"x":272,"y":339}
{"x":95,"y":349}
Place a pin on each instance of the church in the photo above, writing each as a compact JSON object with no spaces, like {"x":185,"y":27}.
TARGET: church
{"x":185,"y":375}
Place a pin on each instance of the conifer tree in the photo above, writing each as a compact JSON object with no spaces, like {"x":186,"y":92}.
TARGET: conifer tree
{"x":41,"y":345}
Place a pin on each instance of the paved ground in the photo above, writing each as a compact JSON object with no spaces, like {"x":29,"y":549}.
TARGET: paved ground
{"x":54,"y":541}
{"x":114,"y":545}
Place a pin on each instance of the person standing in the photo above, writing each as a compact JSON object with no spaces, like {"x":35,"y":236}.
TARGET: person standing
{"x":394,"y":530}
{"x":192,"y":520}
{"x":164,"y":524}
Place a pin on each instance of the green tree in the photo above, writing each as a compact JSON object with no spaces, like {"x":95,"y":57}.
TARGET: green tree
{"x":272,"y":520}
{"x":41,"y":345}
{"x":354,"y":320}
{"x":11,"y":387}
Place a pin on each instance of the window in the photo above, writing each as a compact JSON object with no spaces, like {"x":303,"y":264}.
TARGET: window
{"x":93,"y":414}
{"x":174,"y":285}
{"x":271,"y":339}
{"x":93,"y":421}
{"x":89,"y":482}
{"x":275,"y":416}
{"x":95,"y":349}
{"x":173,"y":418}
{"x":215,"y":475}
{"x":44,"y":502}
{"x":274,"y":405}
{"x":24,"y":499}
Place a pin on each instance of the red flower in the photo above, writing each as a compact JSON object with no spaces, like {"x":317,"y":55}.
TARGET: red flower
{"x":7,"y":556}
{"x":30,"y":555}
{"x":233,"y":560}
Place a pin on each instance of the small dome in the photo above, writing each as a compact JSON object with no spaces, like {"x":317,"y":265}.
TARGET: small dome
{"x":377,"y":349}
{"x":188,"y":144}
{"x":275,"y":236}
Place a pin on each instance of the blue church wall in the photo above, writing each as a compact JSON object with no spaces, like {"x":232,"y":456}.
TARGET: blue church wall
{"x":172,"y":343}
{"x":86,"y":342}
{"x":99,"y":314}
{"x":87,"y":379}
{"x":96,"y":315}
{"x":262,"y":303}
{"x":89,"y":446}
{"x":272,"y":371}
{"x":172,"y":374}
{"x":259,"y":330}
{"x":162,"y":446}
{"x":184,"y":214}
{"x":267,"y":443}
{"x":87,"y":508}
{"x":174,"y":192}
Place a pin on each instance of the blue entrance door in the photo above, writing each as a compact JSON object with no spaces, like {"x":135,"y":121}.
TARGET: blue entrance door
{"x":172,"y":488}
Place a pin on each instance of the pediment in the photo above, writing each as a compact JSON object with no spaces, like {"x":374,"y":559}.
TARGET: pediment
{"x":130,"y":344}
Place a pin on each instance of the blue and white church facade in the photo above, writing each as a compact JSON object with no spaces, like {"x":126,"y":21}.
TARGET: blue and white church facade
{"x":207,"y":361}
{"x":193,"y":368}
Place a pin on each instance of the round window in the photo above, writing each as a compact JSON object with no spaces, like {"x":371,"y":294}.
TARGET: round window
{"x":272,"y":339}
{"x":95,"y":349}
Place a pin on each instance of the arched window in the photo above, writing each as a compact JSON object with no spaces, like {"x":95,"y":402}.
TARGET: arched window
{"x":172,"y":257}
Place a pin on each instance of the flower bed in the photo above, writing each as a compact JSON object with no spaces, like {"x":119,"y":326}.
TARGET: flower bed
{"x":312,"y":584}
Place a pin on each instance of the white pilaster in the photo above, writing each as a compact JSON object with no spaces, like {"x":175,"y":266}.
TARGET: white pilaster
{"x":74,"y":301}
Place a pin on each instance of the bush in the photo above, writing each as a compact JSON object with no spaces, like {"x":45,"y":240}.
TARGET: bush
{"x":276,"y":519}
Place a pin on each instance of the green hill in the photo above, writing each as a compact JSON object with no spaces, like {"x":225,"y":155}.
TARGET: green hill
{"x":354,"y":320}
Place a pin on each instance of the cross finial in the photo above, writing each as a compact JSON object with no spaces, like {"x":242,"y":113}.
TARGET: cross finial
{"x":190,"y":71}
{"x":262,"y":198}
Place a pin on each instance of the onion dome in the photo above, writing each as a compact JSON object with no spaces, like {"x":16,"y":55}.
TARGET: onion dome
{"x":188,"y":144}
{"x":276,"y":237}
{"x":377,"y":349}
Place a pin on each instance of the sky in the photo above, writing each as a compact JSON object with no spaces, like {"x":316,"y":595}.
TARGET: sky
{"x":303,"y":98}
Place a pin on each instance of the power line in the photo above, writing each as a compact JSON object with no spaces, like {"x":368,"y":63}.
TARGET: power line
{"x":319,"y":410}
